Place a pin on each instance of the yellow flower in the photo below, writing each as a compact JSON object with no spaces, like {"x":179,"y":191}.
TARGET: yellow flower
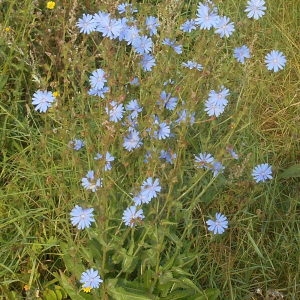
{"x":7,"y":29}
{"x":55,"y":94}
{"x":87,"y":289}
{"x":50,"y":4}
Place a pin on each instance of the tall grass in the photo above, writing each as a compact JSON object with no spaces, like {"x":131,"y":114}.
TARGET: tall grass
{"x":170,"y":254}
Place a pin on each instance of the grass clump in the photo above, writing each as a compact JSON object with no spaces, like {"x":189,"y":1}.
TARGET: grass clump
{"x":149,"y":127}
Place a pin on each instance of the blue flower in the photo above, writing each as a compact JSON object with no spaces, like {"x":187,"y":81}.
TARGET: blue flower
{"x":141,"y":198}
{"x":82,"y":217}
{"x":86,"y":24}
{"x":99,"y":92}
{"x":131,"y":32}
{"x":168,"y":156}
{"x":134,"y":107}
{"x":218,"y":225}
{"x":169,"y":81}
{"x":115,"y":111}
{"x":204,"y":160}
{"x":76,"y":144}
{"x":240,"y":53}
{"x":108,"y":159}
{"x":147,"y":156}
{"x":224,"y":27}
{"x":147,"y":62}
{"x":151,"y":24}
{"x":109,"y":27}
{"x":142,"y":44}
{"x":212,"y":108}
{"x":152,"y":187}
{"x":132,"y":140}
{"x":185,"y":116}
{"x":163,"y":131}
{"x":255,"y":9}
{"x":98,"y":79}
{"x":275,"y":60}
{"x":124,"y":27}
{"x":90,"y":279}
{"x":207,"y":16}
{"x":232,"y":152}
{"x":132,"y":215}
{"x":172,"y":43}
{"x":216,"y":102}
{"x":262,"y":172}
{"x":217,"y":168}
{"x":90,"y":182}
{"x":122,"y":8}
{"x":126,"y":7}
{"x":135,"y":81}
{"x":98,"y":156}
{"x":167,"y":101}
{"x":131,"y":122}
{"x":42,"y":100}
{"x":149,"y":190}
{"x":192,"y":65}
{"x":99,"y":17}
{"x":219,"y":97}
{"x":188,"y":26}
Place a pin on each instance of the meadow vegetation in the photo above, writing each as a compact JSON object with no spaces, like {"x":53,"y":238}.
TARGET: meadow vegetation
{"x":167,"y":251}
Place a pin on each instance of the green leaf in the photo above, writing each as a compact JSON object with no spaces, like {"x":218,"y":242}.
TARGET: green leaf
{"x":256,"y":249}
{"x":128,"y":290}
{"x":120,"y":293}
{"x":180,"y":271}
{"x":71,"y":259}
{"x":69,"y":288}
{"x":293,"y":171}
{"x":209,"y":294}
{"x":148,"y":276}
{"x":60,"y":290}
{"x":50,"y":295}
{"x":190,"y":284}
{"x":59,"y":295}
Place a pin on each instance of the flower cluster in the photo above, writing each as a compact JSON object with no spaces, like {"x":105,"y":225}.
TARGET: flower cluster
{"x":149,"y":190}
{"x":168,"y":112}
{"x":126,"y":29}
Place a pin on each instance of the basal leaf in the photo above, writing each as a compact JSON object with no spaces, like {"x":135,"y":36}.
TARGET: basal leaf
{"x":292,"y":171}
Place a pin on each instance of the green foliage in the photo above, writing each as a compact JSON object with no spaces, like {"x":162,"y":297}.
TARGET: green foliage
{"x":54,"y":294}
{"x":170,"y":255}
{"x":292,"y":171}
